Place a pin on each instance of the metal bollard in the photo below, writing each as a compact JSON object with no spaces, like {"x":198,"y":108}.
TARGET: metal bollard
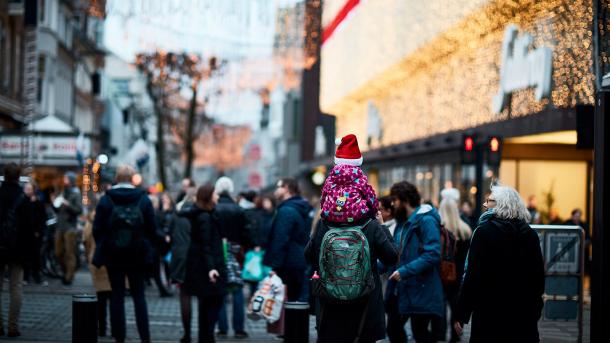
{"x":296,"y":324}
{"x":84,"y":318}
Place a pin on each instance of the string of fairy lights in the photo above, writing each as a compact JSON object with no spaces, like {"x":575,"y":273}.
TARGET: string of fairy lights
{"x":448,"y":83}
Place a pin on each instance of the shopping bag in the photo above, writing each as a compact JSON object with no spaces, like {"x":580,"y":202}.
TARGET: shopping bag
{"x":253,"y":266}
{"x":268,"y":301}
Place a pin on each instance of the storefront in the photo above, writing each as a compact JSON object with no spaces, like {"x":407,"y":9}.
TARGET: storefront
{"x":425,"y":76}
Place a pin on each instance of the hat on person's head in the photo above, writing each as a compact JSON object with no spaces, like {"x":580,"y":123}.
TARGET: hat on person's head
{"x":348,"y":152}
{"x":451,"y":194}
{"x":71,"y":176}
{"x":224,"y":185}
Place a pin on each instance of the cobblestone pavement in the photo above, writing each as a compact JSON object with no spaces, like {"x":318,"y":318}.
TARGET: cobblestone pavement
{"x":47,"y":317}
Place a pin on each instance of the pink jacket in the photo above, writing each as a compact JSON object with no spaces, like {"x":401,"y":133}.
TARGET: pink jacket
{"x":347,"y":196}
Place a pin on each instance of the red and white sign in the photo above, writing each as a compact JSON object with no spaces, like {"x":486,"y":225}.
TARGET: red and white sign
{"x":44,"y":146}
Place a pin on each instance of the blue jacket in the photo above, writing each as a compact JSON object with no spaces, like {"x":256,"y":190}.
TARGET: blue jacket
{"x":420,"y":290}
{"x":289,"y":234}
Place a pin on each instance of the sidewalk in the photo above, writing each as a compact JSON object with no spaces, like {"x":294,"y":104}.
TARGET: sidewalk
{"x":46,"y":316}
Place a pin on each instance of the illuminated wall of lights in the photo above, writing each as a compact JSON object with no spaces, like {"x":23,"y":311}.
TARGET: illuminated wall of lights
{"x":447,"y":82}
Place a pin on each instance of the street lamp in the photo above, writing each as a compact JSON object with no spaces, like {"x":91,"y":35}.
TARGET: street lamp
{"x":102,"y":158}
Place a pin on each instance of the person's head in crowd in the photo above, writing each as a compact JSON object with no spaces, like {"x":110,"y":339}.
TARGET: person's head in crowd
{"x":167,"y":204}
{"x":12,"y":172}
{"x":69,"y":179}
{"x":187,"y":183}
{"x":507,"y":204}
{"x":265,"y":202}
{"x":206,"y":197}
{"x":467,"y":208}
{"x":29,"y":189}
{"x":450,"y":218}
{"x":405,"y":199}
{"x":249,"y":196}
{"x":576,"y":215}
{"x":531,"y":202}
{"x":386,"y":208}
{"x":286,"y":188}
{"x":124,"y":174}
{"x":224,"y":186}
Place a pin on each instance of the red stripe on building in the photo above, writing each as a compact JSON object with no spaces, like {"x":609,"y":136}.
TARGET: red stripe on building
{"x":330,"y":29}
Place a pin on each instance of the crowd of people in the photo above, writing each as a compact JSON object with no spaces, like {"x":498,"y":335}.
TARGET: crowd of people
{"x":367,"y":265}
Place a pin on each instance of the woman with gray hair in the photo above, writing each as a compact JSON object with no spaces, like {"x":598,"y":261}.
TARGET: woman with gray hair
{"x":503,"y":280}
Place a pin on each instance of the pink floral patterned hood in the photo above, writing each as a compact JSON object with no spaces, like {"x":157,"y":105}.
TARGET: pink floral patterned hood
{"x":347,"y":196}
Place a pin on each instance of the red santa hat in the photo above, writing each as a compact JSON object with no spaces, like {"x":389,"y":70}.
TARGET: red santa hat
{"x":347,"y":151}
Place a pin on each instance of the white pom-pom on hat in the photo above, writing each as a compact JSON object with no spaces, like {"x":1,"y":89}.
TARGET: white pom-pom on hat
{"x":348,"y":152}
{"x":338,"y":141}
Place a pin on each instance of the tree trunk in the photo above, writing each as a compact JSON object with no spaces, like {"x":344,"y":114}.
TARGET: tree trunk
{"x":188,"y":143}
{"x":159,"y":146}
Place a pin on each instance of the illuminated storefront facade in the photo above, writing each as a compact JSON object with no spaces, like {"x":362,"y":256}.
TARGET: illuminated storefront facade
{"x":411,"y":78}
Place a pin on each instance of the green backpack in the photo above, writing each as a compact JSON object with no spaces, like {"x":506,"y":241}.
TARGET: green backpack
{"x":345,"y":265}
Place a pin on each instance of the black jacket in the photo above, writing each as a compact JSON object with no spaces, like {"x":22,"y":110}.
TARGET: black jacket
{"x":10,"y":194}
{"x":232,"y":221}
{"x":340,"y":323}
{"x":205,"y":253}
{"x":102,"y":228}
{"x":289,"y":234}
{"x":503,"y":282}
{"x":181,"y":241}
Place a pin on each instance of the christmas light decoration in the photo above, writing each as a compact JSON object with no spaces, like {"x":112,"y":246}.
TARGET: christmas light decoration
{"x":447,"y":83}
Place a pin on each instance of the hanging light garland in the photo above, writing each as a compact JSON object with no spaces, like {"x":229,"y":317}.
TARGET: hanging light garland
{"x":448,"y":83}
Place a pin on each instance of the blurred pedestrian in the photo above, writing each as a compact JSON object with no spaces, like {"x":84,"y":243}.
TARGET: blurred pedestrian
{"x":288,"y":236}
{"x":234,"y":227}
{"x":14,"y":225}
{"x":181,"y":241}
{"x":206,"y":271}
{"x":266,"y":204}
{"x":185,"y":185}
{"x":362,"y":318}
{"x":159,"y":244}
{"x":532,"y":208}
{"x":503,"y":280}
{"x":167,"y":216}
{"x":68,"y":206}
{"x":123,"y":228}
{"x":254,"y":221}
{"x":450,"y":219}
{"x":99,"y":276}
{"x":415,"y":290}
{"x":38,"y":217}
{"x":387,"y":213}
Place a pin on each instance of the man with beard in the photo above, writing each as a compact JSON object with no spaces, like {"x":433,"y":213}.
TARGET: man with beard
{"x":414,"y":290}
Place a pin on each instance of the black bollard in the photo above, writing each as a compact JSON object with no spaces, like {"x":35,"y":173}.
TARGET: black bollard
{"x":296,"y":324}
{"x":84,"y":318}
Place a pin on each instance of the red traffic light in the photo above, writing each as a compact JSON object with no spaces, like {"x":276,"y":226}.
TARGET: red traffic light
{"x":468,"y":143}
{"x":494,"y":144}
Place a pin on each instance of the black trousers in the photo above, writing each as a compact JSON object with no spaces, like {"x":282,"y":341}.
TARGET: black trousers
{"x":135,"y":276}
{"x":396,"y":325}
{"x":209,"y":307}
{"x":294,"y":280}
{"x":103,"y":301}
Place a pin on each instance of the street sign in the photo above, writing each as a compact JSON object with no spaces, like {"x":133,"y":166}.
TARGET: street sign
{"x":562,"y":285}
{"x":562,"y":252}
{"x":561,"y":309}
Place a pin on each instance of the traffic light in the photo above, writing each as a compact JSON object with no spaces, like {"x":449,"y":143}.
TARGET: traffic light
{"x":494,"y":151}
{"x":468,"y":149}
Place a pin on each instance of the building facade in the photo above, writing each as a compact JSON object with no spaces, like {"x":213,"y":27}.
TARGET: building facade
{"x":412,"y":79}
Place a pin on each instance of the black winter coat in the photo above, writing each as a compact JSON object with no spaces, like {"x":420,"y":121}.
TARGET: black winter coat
{"x":340,"y":323}
{"x":289,"y":234}
{"x":503,"y":282}
{"x":181,"y":242}
{"x":102,"y":229}
{"x":205,"y":254}
{"x":10,"y":194}
{"x":232,"y":221}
